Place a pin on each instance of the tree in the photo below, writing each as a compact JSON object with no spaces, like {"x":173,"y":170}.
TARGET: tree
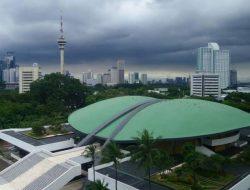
{"x":187,"y":149}
{"x":144,"y":152}
{"x":162,"y":161}
{"x":90,"y":151}
{"x":38,"y":127}
{"x":112,"y":153}
{"x":97,"y":185}
{"x":245,"y":156}
{"x":63,"y":90}
{"x":213,"y":164}
{"x":194,"y":161}
{"x":2,"y":85}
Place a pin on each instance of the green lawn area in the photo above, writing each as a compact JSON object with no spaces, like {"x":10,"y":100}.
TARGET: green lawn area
{"x":49,"y":132}
{"x":207,"y":183}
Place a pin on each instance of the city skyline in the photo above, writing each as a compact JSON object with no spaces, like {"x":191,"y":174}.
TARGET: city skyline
{"x":137,"y":34}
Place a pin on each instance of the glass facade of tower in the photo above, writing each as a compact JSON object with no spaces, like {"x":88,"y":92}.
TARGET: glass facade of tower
{"x":213,"y":60}
{"x":221,"y":67}
{"x":205,"y":60}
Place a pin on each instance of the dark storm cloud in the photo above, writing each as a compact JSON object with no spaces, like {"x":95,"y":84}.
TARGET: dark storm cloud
{"x":164,"y":33}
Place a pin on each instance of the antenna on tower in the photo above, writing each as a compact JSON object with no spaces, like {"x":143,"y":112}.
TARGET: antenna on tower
{"x":61,"y":29}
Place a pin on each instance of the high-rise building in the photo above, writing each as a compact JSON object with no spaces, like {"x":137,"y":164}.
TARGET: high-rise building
{"x":27,"y":75}
{"x":233,"y":78}
{"x":117,"y":73}
{"x":106,"y":78}
{"x":144,"y":79}
{"x":99,"y":78}
{"x":87,"y":76}
{"x":114,"y":75}
{"x":10,"y":75}
{"x":61,"y":43}
{"x":133,"y":78}
{"x":211,"y":59}
{"x":121,"y":70}
{"x":1,"y":69}
{"x":221,"y":67}
{"x":205,"y":85}
{"x":9,"y":60}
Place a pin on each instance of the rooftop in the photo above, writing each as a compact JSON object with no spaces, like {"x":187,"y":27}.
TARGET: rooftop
{"x":167,"y":119}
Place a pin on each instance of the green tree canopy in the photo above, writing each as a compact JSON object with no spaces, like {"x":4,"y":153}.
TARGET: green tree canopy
{"x":59,"y":91}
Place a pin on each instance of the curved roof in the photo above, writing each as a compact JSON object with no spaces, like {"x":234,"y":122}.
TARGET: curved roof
{"x":167,"y":119}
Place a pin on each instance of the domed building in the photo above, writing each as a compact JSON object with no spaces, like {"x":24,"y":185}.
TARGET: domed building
{"x":120,"y":119}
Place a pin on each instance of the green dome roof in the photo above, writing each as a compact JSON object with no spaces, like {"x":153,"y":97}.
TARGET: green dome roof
{"x":167,"y":119}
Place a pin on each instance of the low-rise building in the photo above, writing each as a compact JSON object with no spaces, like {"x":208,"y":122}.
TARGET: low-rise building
{"x":205,"y":85}
{"x":27,"y":75}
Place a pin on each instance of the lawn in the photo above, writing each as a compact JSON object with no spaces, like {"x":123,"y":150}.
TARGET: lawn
{"x":184,"y":182}
{"x":49,"y":133}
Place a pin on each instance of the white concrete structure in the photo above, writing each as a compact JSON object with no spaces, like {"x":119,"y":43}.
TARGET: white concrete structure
{"x":205,"y":85}
{"x":144,"y":78}
{"x":244,"y":184}
{"x":43,"y":170}
{"x":243,"y":89}
{"x":53,"y":146}
{"x":27,"y":75}
{"x":211,"y":59}
{"x":61,"y":43}
{"x":204,"y":150}
{"x":220,"y":141}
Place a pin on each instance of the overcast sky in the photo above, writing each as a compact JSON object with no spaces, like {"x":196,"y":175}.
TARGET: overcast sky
{"x":160,"y":37}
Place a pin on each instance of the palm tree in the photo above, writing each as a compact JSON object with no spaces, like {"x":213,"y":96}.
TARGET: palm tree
{"x":90,"y":152}
{"x":143,"y":153}
{"x":162,"y":161}
{"x":97,"y":185}
{"x":112,"y":153}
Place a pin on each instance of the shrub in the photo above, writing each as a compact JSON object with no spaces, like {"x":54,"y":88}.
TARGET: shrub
{"x":38,"y":130}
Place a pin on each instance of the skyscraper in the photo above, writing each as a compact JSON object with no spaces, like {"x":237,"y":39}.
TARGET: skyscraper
{"x":211,"y":59}
{"x":10,"y":75}
{"x":233,"y":78}
{"x":144,"y":79}
{"x":9,"y":60}
{"x":133,"y":78}
{"x":106,"y":78}
{"x":117,"y":73}
{"x":61,"y":43}
{"x":121,"y":68}
{"x":1,"y":70}
{"x":99,"y":78}
{"x":114,"y":75}
{"x":87,"y":76}
{"x":9,"y":69}
{"x":27,"y":75}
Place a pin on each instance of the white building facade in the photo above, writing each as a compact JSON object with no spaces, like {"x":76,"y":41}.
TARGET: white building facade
{"x":27,"y":75}
{"x":205,"y":85}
